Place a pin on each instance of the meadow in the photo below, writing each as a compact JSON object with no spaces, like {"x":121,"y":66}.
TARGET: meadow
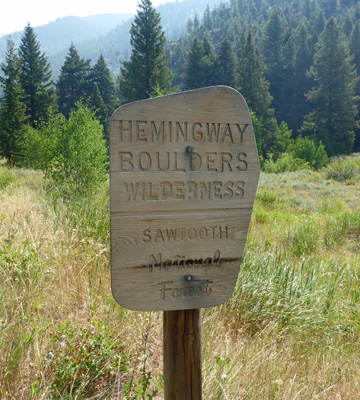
{"x":290,"y":331}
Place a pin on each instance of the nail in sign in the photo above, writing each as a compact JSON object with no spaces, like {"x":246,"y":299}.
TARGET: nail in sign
{"x":183,"y":175}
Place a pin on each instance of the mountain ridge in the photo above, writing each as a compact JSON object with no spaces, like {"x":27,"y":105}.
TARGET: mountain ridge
{"x":106,"y":34}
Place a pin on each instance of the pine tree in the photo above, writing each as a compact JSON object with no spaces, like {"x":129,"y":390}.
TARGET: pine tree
{"x":208,"y":20}
{"x":147,"y":70}
{"x":225,"y":65}
{"x":354,"y":46}
{"x":35,"y":77}
{"x":334,"y":103}
{"x":251,"y":82}
{"x":100,"y":75}
{"x":318,"y":23}
{"x":255,"y":89}
{"x":347,"y":25}
{"x":193,"y":75}
{"x":12,"y":110}
{"x":72,"y":85}
{"x":208,"y":62}
{"x":199,"y":67}
{"x":102,"y":85}
{"x":100,"y":109}
{"x":272,"y":49}
{"x":285,"y":110}
{"x":302,"y":83}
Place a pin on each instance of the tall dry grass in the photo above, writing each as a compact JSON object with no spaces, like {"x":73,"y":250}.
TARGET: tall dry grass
{"x":290,"y":331}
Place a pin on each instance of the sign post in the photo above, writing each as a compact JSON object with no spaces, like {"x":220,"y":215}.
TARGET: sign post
{"x":183,"y":176}
{"x":182,"y":355}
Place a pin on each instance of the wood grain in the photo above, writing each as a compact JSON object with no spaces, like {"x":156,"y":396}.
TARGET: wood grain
{"x":182,"y":355}
{"x":183,"y":176}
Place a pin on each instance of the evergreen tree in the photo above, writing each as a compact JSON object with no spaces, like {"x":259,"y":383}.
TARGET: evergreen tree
{"x":251,"y":82}
{"x":199,"y":67}
{"x":225,"y":65}
{"x":101,"y":76}
{"x":189,"y":26}
{"x":318,"y":22}
{"x":12,"y":109}
{"x":196,"y":23}
{"x":208,"y":20}
{"x":208,"y":62}
{"x":72,"y":85}
{"x":100,"y":109}
{"x":147,"y":70}
{"x":354,"y":46}
{"x":35,"y":77}
{"x":302,"y":83}
{"x":103,"y":96}
{"x":347,"y":25}
{"x":193,"y":74}
{"x":255,"y":89}
{"x":334,"y":103}
{"x":272,"y":50}
{"x":286,"y":104}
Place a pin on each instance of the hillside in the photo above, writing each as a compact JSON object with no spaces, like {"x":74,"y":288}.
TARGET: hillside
{"x":290,"y":329}
{"x":59,"y":34}
{"x":106,"y":34}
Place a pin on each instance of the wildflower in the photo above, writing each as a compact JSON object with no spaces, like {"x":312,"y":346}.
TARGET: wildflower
{"x":223,"y":376}
{"x":62,"y":344}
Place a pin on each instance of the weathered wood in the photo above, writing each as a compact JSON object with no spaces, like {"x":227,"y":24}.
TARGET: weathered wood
{"x":182,"y":355}
{"x":183,"y":175}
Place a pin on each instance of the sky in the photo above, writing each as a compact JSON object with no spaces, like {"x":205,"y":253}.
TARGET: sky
{"x":17,"y":13}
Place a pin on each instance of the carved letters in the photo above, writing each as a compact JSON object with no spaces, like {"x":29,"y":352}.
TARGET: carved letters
{"x":181,"y":234}
{"x":190,"y":290}
{"x":189,"y":190}
{"x":183,"y":176}
{"x":214,"y":161}
{"x":180,"y":131}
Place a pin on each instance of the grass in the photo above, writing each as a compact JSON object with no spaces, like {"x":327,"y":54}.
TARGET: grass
{"x":290,"y":331}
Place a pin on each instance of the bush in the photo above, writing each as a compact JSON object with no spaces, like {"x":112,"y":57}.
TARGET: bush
{"x":308,"y":149}
{"x":72,"y":153}
{"x":285,"y":163}
{"x":343,"y":169}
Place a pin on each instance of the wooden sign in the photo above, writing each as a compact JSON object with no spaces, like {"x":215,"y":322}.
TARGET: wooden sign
{"x":183,"y":175}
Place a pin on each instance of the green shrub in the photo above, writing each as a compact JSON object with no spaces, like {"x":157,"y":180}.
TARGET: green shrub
{"x":300,"y":153}
{"x":285,"y":163}
{"x":343,"y":169}
{"x":309,"y":150}
{"x":72,"y":153}
{"x":266,"y":197}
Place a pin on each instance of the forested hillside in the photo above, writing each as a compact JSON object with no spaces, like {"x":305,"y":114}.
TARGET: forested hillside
{"x":286,"y":59}
{"x":106,"y":34}
{"x":295,"y":62}
{"x":57,"y":35}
